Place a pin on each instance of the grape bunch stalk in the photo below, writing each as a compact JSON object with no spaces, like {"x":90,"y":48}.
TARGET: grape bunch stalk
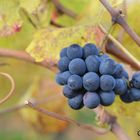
{"x":91,"y":78}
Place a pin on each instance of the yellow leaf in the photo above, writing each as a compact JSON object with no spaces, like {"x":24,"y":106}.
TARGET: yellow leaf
{"x":49,"y":42}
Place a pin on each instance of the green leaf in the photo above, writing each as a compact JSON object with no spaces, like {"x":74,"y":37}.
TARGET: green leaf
{"x":48,"y":43}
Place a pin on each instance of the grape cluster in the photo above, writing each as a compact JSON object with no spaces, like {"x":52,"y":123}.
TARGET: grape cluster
{"x":91,"y":78}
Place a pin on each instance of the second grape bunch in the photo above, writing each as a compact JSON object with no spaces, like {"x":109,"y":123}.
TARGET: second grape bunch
{"x":91,"y":78}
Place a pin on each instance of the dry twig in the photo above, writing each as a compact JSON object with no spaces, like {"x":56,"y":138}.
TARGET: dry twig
{"x":117,"y":17}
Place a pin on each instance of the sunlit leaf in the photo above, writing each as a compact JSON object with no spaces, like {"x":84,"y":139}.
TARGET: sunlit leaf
{"x":49,"y":42}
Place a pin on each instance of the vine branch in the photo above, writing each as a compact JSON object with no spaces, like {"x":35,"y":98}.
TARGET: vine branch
{"x":34,"y":104}
{"x":22,"y":55}
{"x":117,"y":17}
{"x":94,"y":129}
{"x":108,"y":118}
{"x":121,"y":52}
{"x":61,"y":8}
{"x":122,"y":31}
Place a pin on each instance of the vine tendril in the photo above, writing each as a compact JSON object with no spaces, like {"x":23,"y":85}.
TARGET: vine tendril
{"x":10,"y":93}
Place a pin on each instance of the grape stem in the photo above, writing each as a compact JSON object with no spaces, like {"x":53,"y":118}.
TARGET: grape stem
{"x":118,"y":18}
{"x":111,"y":120}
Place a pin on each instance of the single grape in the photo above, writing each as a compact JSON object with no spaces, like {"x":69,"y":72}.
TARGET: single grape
{"x":107,"y":82}
{"x":75,"y":82}
{"x":135,"y":94}
{"x":118,"y":71}
{"x":76,"y":102}
{"x":63,"y":64}
{"x":121,"y":86}
{"x":124,"y":74}
{"x":91,"y":81}
{"x":77,"y":66}
{"x":107,"y":66}
{"x":92,"y":63}
{"x":127,"y":98}
{"x":136,"y":80}
{"x":107,"y":98}
{"x":103,"y":57}
{"x":62,"y":78}
{"x":74,"y":51}
{"x":90,"y":49}
{"x":63,"y":52}
{"x":68,"y":92}
{"x":91,"y":100}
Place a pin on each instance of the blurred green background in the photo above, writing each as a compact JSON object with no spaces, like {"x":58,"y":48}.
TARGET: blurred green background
{"x":20,"y":20}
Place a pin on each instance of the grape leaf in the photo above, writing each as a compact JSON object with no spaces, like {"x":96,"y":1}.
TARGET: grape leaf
{"x":49,"y":42}
{"x":39,"y":13}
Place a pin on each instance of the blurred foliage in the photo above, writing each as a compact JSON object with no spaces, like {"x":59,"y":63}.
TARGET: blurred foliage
{"x":27,"y":25}
{"x":42,"y":89}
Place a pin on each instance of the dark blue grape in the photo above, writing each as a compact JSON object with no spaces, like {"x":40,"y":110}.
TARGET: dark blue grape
{"x":68,"y":92}
{"x":136,"y":80}
{"x":107,"y":98}
{"x":91,"y":100}
{"x":124,"y":74}
{"x":103,"y":57}
{"x":75,"y":82}
{"x":92,"y":63}
{"x":107,"y":82}
{"x":118,"y":71}
{"x":74,"y":51}
{"x":63,"y":52}
{"x":121,"y":86}
{"x":62,"y":78}
{"x":90,"y":49}
{"x":76,"y":102}
{"x":63,"y":64}
{"x":127,"y":98}
{"x":77,"y":66}
{"x":91,"y":81}
{"x":107,"y":66}
{"x":135,"y":94}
